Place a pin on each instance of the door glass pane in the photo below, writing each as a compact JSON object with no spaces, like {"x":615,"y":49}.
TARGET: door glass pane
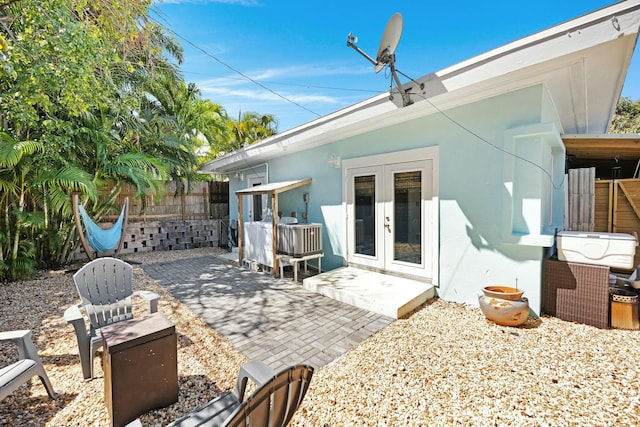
{"x":407,"y":214}
{"x":365,"y":210}
{"x":257,"y":207}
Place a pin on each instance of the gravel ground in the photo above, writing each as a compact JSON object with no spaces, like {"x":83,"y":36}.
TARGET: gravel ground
{"x":443,"y":365}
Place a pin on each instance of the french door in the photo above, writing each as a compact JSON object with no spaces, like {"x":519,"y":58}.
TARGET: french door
{"x":390,"y":217}
{"x":257,"y":202}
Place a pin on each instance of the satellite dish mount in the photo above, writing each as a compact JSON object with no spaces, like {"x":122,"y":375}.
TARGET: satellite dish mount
{"x":386,"y":52}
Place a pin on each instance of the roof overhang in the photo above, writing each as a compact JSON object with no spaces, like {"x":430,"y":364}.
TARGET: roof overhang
{"x":273,"y":187}
{"x":582,"y":64}
{"x":607,"y":146}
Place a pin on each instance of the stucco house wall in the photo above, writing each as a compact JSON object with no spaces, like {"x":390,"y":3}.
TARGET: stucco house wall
{"x":495,"y":123}
{"x":475,"y":250}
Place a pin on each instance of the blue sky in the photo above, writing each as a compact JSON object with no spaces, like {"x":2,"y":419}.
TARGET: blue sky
{"x":298,"y":50}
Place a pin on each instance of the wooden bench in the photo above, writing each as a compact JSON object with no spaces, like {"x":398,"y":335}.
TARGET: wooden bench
{"x":28,"y":365}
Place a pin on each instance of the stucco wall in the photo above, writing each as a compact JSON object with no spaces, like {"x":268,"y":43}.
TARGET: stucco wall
{"x":480,"y":212}
{"x":476,"y":248}
{"x":240,"y":181}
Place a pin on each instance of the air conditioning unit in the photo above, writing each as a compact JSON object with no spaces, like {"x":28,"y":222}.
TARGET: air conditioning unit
{"x":299,"y":240}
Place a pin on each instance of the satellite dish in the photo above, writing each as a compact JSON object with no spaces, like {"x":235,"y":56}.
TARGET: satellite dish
{"x":387,"y":54}
{"x":389,"y":41}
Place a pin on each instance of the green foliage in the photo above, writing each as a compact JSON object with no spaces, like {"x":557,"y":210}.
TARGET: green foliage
{"x":53,"y":59}
{"x":249,"y":128}
{"x":76,"y":116}
{"x":12,"y":151}
{"x":627,"y":117}
{"x":24,"y":265}
{"x":91,"y":100}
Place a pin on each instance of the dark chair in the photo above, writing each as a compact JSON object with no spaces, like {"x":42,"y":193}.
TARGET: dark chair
{"x":272,"y":404}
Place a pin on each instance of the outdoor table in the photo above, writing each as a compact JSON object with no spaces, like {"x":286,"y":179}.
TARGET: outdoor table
{"x":140,"y":367}
{"x":286,"y":260}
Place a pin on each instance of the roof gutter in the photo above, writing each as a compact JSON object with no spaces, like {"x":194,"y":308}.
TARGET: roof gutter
{"x":324,"y":128}
{"x":378,"y":111}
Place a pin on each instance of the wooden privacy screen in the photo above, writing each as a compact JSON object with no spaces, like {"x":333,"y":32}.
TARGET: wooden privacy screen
{"x":205,"y":200}
{"x":581,"y":199}
{"x":192,"y":205}
{"x":617,"y":208}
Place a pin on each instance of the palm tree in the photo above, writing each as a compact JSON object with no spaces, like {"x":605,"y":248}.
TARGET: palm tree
{"x":181,"y":114}
{"x":249,"y":128}
{"x":74,"y":93}
{"x":28,"y":183}
{"x":93,"y":100}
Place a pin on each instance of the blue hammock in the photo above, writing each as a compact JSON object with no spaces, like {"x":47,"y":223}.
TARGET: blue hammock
{"x":100,"y":239}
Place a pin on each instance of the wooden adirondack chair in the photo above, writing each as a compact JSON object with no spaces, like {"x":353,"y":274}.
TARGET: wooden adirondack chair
{"x":272,"y":404}
{"x":28,"y":365}
{"x":104,"y":286}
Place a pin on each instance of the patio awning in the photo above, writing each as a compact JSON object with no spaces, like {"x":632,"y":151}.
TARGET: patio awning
{"x":607,"y":146}
{"x":613,"y":155}
{"x":274,"y":187}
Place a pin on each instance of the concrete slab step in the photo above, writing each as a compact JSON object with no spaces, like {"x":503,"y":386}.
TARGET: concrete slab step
{"x":380,"y":293}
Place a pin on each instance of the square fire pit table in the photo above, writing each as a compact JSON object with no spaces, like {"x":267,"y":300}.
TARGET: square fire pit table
{"x":140,"y":366}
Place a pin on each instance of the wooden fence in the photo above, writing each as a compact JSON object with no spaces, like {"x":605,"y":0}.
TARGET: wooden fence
{"x":186,"y":221}
{"x":205,"y":200}
{"x":617,"y":207}
{"x":581,"y":202}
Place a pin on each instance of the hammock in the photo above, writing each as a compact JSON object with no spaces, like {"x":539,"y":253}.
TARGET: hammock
{"x":98,"y":238}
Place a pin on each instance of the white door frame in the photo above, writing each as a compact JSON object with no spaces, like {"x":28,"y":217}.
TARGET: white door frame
{"x":376,"y":260}
{"x":423,"y":268}
{"x":376,"y":165}
{"x":252,"y":181}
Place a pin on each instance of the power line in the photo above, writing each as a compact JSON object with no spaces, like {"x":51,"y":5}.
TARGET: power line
{"x":325,"y":87}
{"x":238,"y":71}
{"x":486,"y":141}
{"x":308,"y":86}
{"x":455,"y":122}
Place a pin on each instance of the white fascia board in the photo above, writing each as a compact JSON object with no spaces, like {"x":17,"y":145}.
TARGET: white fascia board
{"x":318,"y":132}
{"x":485,"y":75}
{"x":579,"y":34}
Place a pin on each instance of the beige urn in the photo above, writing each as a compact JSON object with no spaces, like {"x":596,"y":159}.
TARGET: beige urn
{"x":504,"y":305}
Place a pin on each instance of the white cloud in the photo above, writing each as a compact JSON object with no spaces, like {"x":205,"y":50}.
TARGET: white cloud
{"x":306,"y":70}
{"x":258,"y":94}
{"x":292,"y":75}
{"x":303,"y":84}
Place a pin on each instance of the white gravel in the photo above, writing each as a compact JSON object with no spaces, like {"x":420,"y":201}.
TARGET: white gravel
{"x":444,"y":365}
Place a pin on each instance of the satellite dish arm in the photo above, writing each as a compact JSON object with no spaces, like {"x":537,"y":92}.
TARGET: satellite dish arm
{"x":351,"y":42}
{"x":406,"y":99}
{"x":386,"y":55}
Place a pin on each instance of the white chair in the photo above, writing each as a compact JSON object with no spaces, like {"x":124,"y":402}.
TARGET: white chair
{"x":104,"y":286}
{"x":28,"y":365}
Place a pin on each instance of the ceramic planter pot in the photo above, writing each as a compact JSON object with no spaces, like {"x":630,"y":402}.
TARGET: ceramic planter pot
{"x":504,"y":305}
{"x":503,"y":292}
